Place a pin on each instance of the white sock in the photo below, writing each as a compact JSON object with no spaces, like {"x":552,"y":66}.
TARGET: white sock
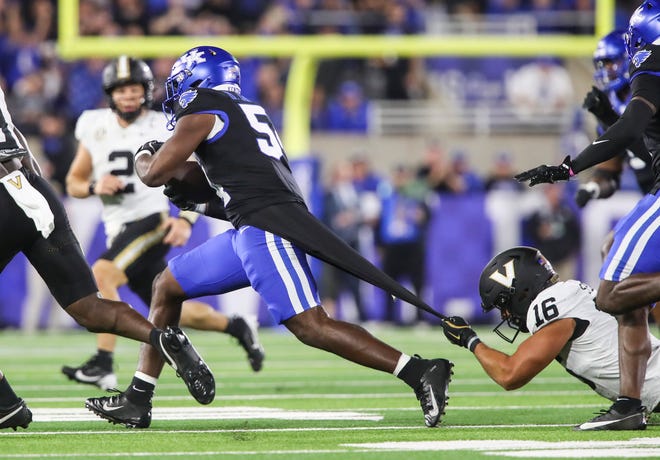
{"x":403,"y":360}
{"x":146,"y":378}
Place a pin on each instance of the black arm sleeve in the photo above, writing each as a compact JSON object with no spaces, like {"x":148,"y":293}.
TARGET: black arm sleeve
{"x":619,"y":136}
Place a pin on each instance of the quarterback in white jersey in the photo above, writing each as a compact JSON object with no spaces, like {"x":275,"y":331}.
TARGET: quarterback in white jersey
{"x":565,"y":325}
{"x":111,"y":147}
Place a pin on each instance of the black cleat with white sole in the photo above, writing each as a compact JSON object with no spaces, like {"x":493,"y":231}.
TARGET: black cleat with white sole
{"x":15,"y":416}
{"x":247,"y":336}
{"x":118,"y":409}
{"x":432,"y":391}
{"x":613,"y":420}
{"x":92,"y":372}
{"x":177,"y":351}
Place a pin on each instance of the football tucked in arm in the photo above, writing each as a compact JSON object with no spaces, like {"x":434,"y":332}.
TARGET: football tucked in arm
{"x":189,"y":182}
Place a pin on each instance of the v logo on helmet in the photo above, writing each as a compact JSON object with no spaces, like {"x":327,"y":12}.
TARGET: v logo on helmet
{"x":507,"y":278}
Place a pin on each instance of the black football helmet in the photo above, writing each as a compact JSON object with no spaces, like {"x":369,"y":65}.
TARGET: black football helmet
{"x":510,"y":281}
{"x":127,"y":70}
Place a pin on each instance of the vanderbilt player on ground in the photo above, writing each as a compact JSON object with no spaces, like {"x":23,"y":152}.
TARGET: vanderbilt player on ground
{"x":138,"y":227}
{"x":629,"y":276}
{"x":565,"y":325}
{"x":33,"y":221}
{"x":242,"y":156}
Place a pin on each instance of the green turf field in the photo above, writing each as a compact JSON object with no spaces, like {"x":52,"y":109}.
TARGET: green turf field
{"x":306,"y":404}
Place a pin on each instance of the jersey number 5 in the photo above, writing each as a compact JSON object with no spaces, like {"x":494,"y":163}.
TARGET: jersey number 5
{"x":269,"y":142}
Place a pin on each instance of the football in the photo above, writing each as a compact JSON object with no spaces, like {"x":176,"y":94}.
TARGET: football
{"x":190,"y":181}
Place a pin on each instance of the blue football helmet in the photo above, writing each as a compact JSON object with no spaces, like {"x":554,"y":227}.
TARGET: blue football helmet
{"x":611,"y":62}
{"x":200,"y":67}
{"x":644,"y":26}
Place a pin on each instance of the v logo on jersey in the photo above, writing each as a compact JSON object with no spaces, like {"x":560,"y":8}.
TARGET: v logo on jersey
{"x":16,"y":182}
{"x":507,"y":278}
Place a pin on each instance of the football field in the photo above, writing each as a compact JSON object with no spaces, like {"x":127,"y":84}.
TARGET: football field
{"x":306,"y":404}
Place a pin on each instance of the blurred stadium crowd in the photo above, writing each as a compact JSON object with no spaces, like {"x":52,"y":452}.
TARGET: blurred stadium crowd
{"x":47,"y":94}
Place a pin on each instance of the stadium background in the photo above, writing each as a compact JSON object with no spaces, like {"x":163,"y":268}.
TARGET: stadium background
{"x":467,"y":51}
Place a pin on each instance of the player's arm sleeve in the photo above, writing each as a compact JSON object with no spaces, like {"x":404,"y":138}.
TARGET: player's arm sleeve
{"x":619,"y":136}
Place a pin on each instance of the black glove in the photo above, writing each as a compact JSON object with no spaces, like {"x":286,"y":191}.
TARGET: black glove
{"x":597,"y":102}
{"x":150,"y":147}
{"x":459,"y":332}
{"x":586,"y":192}
{"x":547,"y":174}
{"x":176,"y":193}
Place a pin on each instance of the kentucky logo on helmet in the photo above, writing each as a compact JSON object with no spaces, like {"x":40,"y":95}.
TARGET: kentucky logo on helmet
{"x":192,"y":57}
{"x":187,"y":97}
{"x":640,"y":56}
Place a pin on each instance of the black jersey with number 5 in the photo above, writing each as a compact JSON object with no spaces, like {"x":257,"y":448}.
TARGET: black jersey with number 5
{"x":645,"y":84}
{"x":243,"y":154}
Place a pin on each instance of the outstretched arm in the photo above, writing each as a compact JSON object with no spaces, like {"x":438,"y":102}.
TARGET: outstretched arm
{"x":531,"y":357}
{"x":623,"y":133}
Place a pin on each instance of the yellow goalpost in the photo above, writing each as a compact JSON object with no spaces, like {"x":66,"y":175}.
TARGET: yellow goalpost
{"x":305,"y":51}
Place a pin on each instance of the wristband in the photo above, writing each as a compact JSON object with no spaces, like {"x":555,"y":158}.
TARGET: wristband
{"x":188,"y":216}
{"x":472,"y":343}
{"x":91,"y":187}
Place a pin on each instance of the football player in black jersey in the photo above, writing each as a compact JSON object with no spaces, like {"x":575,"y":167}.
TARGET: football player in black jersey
{"x":242,"y":157}
{"x":630,"y":280}
{"x":33,"y":221}
{"x":606,"y":101}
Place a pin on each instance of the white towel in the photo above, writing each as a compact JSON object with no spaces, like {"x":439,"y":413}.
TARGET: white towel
{"x":30,"y":201}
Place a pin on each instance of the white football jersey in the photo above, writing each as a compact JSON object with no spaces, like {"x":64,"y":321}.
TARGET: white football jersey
{"x":593,"y":355}
{"x":112,"y":147}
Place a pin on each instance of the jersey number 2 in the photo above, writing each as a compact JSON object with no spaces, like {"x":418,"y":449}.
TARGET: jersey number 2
{"x":269,"y":143}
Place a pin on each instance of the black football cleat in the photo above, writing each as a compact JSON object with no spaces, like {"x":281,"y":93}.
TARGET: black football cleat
{"x":177,"y":351}
{"x":118,"y":409}
{"x":93,"y":373}
{"x":613,"y":420}
{"x":432,"y":391}
{"x":15,"y":416}
{"x":247,"y":336}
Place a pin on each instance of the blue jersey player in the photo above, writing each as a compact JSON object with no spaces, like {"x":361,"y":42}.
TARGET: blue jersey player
{"x":241,"y":155}
{"x":606,"y":101}
{"x":629,"y":275}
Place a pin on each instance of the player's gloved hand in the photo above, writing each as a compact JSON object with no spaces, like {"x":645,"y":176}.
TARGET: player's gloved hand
{"x":547,"y":174}
{"x":597,"y":102}
{"x":587,"y":192}
{"x":178,"y":197}
{"x":149,"y":148}
{"x":459,"y":332}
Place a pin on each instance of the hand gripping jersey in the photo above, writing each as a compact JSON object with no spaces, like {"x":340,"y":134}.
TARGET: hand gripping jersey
{"x":243,"y":157}
{"x":647,"y":62}
{"x":592,"y":353}
{"x":112,"y":147}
